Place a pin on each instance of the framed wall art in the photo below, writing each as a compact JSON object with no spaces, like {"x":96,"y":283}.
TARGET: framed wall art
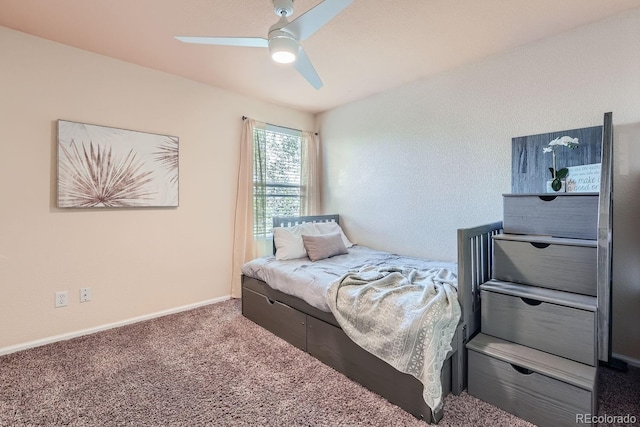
{"x":106,"y":167}
{"x":530,"y":162}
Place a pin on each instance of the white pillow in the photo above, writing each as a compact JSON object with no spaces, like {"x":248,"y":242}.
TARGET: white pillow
{"x":333,"y":227}
{"x":288,"y":240}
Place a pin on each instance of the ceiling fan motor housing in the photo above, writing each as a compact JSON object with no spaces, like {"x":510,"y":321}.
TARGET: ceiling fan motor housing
{"x":283,"y":7}
{"x":283,"y":47}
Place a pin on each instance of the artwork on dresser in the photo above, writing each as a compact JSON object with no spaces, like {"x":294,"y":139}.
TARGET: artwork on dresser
{"x":584,"y":178}
{"x":106,"y":167}
{"x":530,"y":161}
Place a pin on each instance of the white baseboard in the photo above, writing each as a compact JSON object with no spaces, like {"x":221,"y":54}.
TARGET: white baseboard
{"x":630,"y":360}
{"x":63,"y":337}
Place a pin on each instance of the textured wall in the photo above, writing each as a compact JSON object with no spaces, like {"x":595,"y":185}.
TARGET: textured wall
{"x":407,"y":167}
{"x":137,"y":261}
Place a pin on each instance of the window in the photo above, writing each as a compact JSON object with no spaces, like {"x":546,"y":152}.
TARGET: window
{"x":278,"y":173}
{"x":277,"y":176}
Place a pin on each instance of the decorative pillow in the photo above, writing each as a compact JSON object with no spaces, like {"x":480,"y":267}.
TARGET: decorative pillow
{"x":324,"y":246}
{"x":333,"y":227}
{"x":288,"y":240}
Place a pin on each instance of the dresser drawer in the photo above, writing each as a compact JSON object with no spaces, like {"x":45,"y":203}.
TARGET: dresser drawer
{"x":551,"y":321}
{"x":572,"y":215}
{"x":280,"y":319}
{"x":564,"y":264}
{"x":543,"y":389}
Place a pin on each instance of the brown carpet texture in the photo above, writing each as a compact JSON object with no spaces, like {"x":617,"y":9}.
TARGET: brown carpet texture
{"x":213,"y":367}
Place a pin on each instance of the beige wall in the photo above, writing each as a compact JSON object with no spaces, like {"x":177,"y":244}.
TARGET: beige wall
{"x":435,"y":155}
{"x":137,"y":261}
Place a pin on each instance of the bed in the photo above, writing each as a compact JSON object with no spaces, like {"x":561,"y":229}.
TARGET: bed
{"x":313,"y":328}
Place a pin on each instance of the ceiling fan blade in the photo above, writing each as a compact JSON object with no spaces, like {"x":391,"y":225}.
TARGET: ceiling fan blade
{"x":311,"y":21}
{"x":227,"y":41}
{"x":304,"y":67}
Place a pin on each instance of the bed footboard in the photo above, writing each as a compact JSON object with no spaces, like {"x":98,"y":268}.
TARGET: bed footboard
{"x":475,"y":252}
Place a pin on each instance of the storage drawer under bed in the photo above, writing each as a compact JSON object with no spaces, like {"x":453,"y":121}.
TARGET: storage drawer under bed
{"x":280,"y":319}
{"x":556,"y":322}
{"x":541,"y":388}
{"x":334,"y":348}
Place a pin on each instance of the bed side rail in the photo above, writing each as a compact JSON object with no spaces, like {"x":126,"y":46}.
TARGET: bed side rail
{"x":475,"y":266}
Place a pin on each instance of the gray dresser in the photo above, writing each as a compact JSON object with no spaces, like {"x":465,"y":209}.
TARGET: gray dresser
{"x":537,"y":354}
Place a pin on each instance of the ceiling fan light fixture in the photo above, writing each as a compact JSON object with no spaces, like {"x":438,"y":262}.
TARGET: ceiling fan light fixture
{"x":283,"y":49}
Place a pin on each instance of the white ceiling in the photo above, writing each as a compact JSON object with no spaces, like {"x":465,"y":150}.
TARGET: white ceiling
{"x":372,"y":46}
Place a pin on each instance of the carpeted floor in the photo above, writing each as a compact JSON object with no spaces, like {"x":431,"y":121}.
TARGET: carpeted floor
{"x":213,"y":367}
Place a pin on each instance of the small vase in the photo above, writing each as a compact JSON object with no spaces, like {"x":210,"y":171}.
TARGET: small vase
{"x":562,"y":189}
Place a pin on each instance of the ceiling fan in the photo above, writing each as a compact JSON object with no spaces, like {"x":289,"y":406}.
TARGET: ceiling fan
{"x":284,"y":37}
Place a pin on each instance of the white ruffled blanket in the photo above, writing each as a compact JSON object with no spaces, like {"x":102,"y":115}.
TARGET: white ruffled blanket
{"x":404,"y":316}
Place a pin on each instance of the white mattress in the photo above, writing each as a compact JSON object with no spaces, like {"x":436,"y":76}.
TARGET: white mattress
{"x":309,"y":280}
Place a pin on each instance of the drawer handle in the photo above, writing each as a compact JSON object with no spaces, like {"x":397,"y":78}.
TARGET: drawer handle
{"x":540,"y":245}
{"x":547,"y":198}
{"x":530,"y":301}
{"x":270,"y":301}
{"x":520,"y":369}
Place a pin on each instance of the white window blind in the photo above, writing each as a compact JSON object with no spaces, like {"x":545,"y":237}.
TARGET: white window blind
{"x":277,"y":186}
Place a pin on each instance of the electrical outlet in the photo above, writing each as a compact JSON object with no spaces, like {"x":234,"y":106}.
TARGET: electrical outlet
{"x":62,"y":299}
{"x":85,"y":294}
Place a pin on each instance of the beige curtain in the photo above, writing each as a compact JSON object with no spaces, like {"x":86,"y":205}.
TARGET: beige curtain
{"x":310,"y":176}
{"x":250,"y":239}
{"x":245,"y":246}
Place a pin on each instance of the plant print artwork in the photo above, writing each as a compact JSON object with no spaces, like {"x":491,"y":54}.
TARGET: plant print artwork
{"x":104,"y":167}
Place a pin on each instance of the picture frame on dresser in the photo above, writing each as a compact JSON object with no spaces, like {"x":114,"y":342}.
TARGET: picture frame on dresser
{"x":530,"y":163}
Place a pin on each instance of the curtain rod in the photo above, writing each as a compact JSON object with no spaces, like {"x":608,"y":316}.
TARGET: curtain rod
{"x":245,"y":118}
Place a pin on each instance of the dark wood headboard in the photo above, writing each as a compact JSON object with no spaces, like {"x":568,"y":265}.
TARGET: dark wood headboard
{"x":290,"y":221}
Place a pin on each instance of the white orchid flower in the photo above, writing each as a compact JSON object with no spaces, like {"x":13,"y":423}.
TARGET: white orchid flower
{"x":567,"y":141}
{"x":558,"y":175}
